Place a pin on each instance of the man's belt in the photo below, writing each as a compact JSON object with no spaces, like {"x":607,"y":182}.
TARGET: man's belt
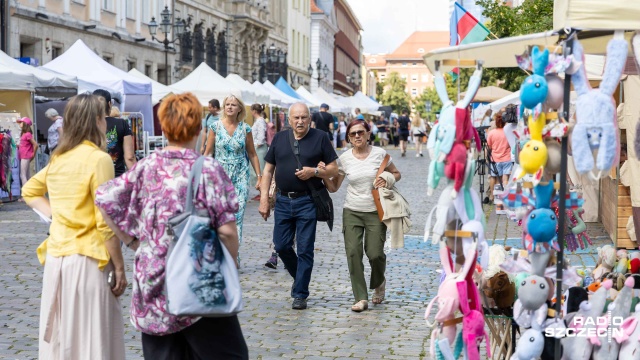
{"x":293,"y":194}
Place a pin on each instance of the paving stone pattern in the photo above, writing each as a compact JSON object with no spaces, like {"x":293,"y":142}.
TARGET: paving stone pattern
{"x":327,"y":330}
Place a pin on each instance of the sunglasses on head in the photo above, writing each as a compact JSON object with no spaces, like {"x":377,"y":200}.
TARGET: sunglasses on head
{"x":357,"y":133}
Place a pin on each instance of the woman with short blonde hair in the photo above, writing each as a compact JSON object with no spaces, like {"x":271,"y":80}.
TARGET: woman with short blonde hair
{"x":83,"y":267}
{"x":232,"y":138}
{"x":419,"y":130}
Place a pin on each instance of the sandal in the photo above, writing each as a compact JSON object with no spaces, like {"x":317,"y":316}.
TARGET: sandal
{"x":360,"y":306}
{"x":378,"y":293}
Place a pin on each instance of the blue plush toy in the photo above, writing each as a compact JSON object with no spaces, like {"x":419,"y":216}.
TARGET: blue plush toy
{"x":542,"y":222}
{"x":596,"y":127}
{"x":534,"y":88}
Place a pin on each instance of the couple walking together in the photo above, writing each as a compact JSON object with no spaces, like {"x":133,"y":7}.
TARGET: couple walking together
{"x":295,"y":212}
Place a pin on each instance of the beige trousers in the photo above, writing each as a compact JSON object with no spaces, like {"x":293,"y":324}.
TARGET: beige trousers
{"x":80,"y":318}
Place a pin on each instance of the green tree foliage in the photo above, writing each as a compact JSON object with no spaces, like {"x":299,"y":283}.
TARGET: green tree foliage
{"x":531,"y":17}
{"x":379,"y":86}
{"x":430,"y":94}
{"x":394,"y":94}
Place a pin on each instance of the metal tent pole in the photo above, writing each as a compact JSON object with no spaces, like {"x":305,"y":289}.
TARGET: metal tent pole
{"x":568,"y":49}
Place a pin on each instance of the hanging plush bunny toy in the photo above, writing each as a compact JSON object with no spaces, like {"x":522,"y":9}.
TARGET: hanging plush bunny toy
{"x":533,"y":92}
{"x":596,"y":128}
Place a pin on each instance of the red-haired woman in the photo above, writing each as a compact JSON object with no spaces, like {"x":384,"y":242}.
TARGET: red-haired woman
{"x":360,"y":218}
{"x":137,"y":207}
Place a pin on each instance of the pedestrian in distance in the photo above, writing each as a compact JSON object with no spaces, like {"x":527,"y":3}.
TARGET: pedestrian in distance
{"x":231,"y":138}
{"x":342,"y":131}
{"x":259,"y":131}
{"x":27,"y":148}
{"x":119,"y":137}
{"x":419,"y":131}
{"x":404,"y":126}
{"x":295,"y":210}
{"x":207,"y":123}
{"x":80,"y":313}
{"x":138,"y":206}
{"x":55,"y":130}
{"x":323,"y":120}
{"x":360,"y":218}
{"x":359,"y":115}
{"x":383,"y":131}
{"x":500,"y":164}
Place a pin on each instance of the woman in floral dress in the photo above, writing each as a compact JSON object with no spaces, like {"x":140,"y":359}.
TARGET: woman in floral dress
{"x":233,"y":143}
{"x":137,"y":207}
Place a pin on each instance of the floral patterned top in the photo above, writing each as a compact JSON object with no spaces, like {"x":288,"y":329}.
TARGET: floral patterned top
{"x":140,"y":202}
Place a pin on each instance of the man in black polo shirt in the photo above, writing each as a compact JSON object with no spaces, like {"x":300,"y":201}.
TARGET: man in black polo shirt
{"x":324,"y":121}
{"x":295,"y":211}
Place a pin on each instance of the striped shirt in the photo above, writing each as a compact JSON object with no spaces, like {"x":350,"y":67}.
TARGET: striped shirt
{"x":361,"y":174}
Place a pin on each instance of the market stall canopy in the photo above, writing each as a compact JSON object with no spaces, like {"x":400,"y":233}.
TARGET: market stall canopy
{"x":79,"y":60}
{"x":44,"y":79}
{"x":334,"y":104}
{"x":159,"y":91}
{"x":284,"y":86}
{"x":502,"y":53}
{"x":489,"y":94}
{"x":276,"y":94}
{"x":312,"y":99}
{"x":249,"y":95}
{"x":596,"y":15}
{"x":262,"y":92}
{"x":16,"y":79}
{"x":206,"y":84}
{"x":369,"y":106}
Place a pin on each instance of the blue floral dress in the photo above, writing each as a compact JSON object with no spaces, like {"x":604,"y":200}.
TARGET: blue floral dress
{"x":230,"y":151}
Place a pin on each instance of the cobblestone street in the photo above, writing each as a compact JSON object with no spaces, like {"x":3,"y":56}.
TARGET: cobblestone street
{"x":328,"y":329}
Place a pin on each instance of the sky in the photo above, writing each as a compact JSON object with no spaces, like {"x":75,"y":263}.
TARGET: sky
{"x":387,"y":23}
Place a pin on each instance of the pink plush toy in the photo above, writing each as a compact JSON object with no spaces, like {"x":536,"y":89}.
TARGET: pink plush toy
{"x":457,"y":158}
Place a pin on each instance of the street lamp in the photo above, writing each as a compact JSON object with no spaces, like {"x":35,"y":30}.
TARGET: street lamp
{"x":165,"y":28}
{"x":323,"y":72}
{"x":273,"y":64}
{"x":354,"y":79}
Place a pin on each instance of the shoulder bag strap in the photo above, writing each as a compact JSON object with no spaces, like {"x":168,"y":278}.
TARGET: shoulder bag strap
{"x":297,"y":156}
{"x":383,"y":166}
{"x":194,"y":177}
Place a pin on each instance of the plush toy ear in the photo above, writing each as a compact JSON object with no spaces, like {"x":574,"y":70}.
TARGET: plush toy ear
{"x":628,"y":327}
{"x":579,"y":78}
{"x":616,"y":59}
{"x":609,"y":149}
{"x":441,"y":87}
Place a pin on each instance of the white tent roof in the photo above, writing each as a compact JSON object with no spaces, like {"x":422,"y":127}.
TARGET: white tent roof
{"x":312,"y":99}
{"x":206,"y":84}
{"x":370,"y":105}
{"x":43,"y":77}
{"x":276,"y":94}
{"x":261,"y":91}
{"x":159,"y":91}
{"x":249,"y":95}
{"x":12,"y":78}
{"x":79,"y":60}
{"x":334,"y":104}
{"x":596,"y":15}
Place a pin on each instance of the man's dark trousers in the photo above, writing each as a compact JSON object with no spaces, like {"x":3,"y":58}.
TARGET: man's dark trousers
{"x":296,"y":218}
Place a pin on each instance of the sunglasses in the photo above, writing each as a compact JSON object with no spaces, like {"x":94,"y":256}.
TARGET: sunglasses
{"x":357,"y":133}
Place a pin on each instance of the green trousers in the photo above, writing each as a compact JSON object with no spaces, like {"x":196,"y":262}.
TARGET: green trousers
{"x":358,"y":226}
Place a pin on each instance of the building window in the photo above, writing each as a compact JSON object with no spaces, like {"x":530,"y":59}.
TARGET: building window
{"x":147,"y":70}
{"x":404,"y":77}
{"x":108,"y":5}
{"x":373,"y":60}
{"x":414,"y":78}
{"x":425,"y":78}
{"x":108,"y":59}
{"x":414,"y":92}
{"x":130,"y":9}
{"x":404,"y":64}
{"x":55,"y":52}
{"x":131,"y":64}
{"x":421,"y":50}
{"x":382,"y":77}
{"x":414,"y":64}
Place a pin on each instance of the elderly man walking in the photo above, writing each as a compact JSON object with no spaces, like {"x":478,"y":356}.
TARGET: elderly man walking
{"x":295,"y":211}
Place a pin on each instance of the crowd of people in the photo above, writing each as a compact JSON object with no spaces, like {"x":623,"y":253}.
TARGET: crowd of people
{"x":99,"y":197}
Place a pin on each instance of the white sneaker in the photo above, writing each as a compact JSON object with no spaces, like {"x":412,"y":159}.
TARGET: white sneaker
{"x":417,"y":155}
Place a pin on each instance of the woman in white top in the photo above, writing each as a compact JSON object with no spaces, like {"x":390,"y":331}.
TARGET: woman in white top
{"x":419,"y":130}
{"x":360,"y":217}
{"x":342,"y":125}
{"x":259,"y":130}
{"x":55,"y":130}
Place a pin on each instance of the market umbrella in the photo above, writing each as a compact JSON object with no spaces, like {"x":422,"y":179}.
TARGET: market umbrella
{"x":489,"y":94}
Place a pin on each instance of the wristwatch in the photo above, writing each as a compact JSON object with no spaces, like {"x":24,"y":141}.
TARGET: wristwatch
{"x":316,"y":172}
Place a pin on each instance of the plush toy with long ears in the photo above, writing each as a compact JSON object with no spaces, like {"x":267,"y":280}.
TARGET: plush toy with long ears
{"x":596,"y":127}
{"x":533,"y":156}
{"x":533,"y":91}
{"x":531,"y":305}
{"x":443,"y":135}
{"x":456,"y":163}
{"x":542,"y":222}
{"x":619,"y":308}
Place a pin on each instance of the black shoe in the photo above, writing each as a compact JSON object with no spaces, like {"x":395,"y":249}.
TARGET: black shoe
{"x":272,"y":263}
{"x":486,"y":200}
{"x":299,"y":304}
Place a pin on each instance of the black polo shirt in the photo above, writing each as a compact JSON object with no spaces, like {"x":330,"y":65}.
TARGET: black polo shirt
{"x":314,"y":147}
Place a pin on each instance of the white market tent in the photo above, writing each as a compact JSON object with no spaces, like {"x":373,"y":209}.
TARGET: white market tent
{"x":249,"y":95}
{"x":596,"y":15}
{"x":262,"y":92}
{"x":43,"y":77}
{"x":368,"y":106}
{"x":79,"y":60}
{"x":334,"y":104}
{"x":276,"y":94}
{"x":206,"y":84}
{"x":159,"y":91}
{"x":307,"y":96}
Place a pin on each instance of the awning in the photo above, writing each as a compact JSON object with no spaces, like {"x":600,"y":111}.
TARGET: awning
{"x":489,"y":94}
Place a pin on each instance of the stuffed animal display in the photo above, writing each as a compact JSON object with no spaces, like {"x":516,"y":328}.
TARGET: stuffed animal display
{"x":596,"y":127}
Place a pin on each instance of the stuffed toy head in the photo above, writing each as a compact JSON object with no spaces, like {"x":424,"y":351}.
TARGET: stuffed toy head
{"x":634,"y":266}
{"x":574,"y":297}
{"x":542,"y":222}
{"x":533,"y":156}
{"x":533,"y":292}
{"x":534,"y":88}
{"x":596,"y":127}
{"x":555,"y":92}
{"x":501,"y":290}
{"x":530,"y":345}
